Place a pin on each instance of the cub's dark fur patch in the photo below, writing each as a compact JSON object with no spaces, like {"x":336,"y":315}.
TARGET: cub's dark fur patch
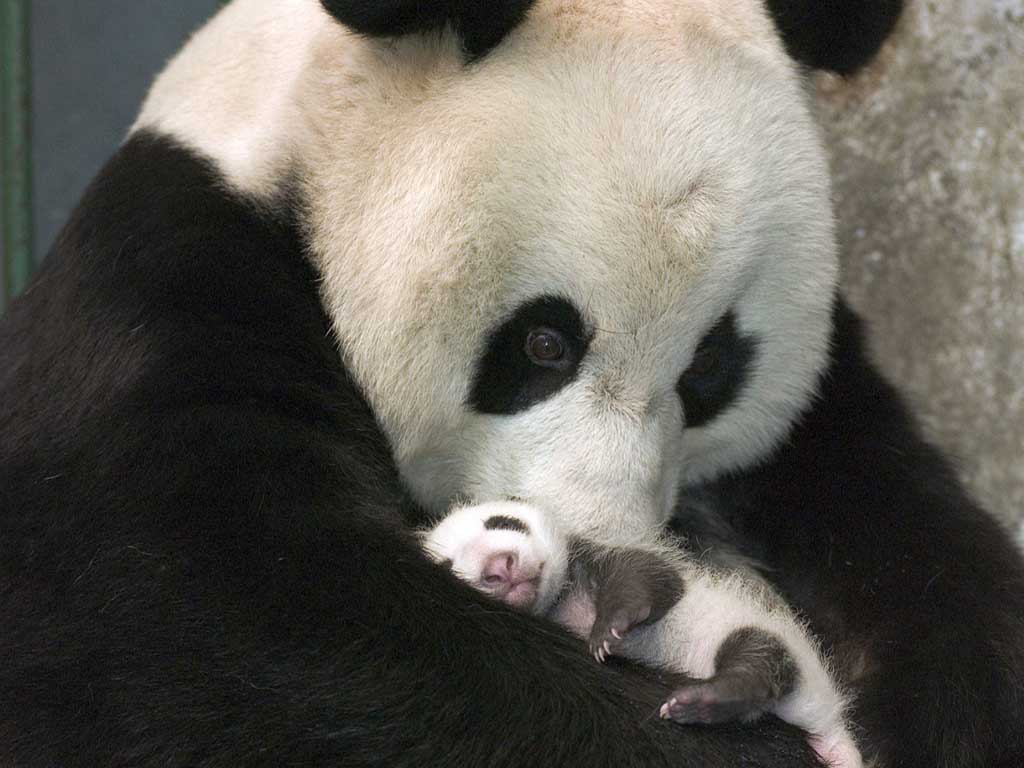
{"x":629,"y":587}
{"x":506,"y":523}
{"x":480,"y":24}
{"x":752,"y":670}
{"x":718,"y":372}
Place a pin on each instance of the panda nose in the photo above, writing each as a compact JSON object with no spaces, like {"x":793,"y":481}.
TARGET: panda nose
{"x":498,"y":569}
{"x":503,"y":578}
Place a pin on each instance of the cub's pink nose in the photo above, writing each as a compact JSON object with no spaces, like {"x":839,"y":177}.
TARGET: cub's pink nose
{"x":497,"y":571}
{"x":503,"y":577}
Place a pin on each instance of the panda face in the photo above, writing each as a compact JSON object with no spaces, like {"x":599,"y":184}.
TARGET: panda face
{"x":585,"y":269}
{"x":581,"y":272}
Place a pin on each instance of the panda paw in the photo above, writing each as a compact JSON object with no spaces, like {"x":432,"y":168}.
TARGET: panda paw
{"x":505,"y":549}
{"x":630,"y":587}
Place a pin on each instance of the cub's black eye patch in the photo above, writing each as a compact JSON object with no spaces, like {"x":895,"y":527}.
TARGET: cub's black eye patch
{"x":505,"y":523}
{"x":529,"y":357}
{"x":718,"y":372}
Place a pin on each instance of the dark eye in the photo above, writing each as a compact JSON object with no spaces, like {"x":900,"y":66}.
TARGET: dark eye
{"x":545,"y":346}
{"x":535,"y":352}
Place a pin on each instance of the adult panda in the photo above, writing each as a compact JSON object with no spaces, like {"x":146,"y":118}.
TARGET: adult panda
{"x":203,"y":548}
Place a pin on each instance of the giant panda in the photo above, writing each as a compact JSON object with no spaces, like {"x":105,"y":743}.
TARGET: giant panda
{"x":287,"y":324}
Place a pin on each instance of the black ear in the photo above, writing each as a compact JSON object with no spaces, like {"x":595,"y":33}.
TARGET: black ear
{"x":837,"y":35}
{"x":480,"y":24}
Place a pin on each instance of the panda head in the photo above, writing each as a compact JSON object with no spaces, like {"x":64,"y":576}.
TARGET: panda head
{"x":576,"y":253}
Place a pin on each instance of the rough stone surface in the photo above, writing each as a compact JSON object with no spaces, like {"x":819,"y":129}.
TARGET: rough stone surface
{"x":928,"y":160}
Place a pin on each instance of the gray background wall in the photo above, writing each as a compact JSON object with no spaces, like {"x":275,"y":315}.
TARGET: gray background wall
{"x":91,"y":65}
{"x":928,"y":162}
{"x":928,"y":155}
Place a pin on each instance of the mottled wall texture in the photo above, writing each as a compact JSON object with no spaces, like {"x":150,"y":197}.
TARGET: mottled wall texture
{"x":928,"y":158}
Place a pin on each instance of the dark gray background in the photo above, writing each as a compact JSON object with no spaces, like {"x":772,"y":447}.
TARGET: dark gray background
{"x":92,"y":63}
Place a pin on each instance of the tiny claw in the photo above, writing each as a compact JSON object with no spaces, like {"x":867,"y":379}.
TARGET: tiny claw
{"x":607,"y":649}
{"x":664,"y":711}
{"x":615,"y":634}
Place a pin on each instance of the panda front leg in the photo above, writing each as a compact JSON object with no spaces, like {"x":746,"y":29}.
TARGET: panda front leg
{"x":747,"y":654}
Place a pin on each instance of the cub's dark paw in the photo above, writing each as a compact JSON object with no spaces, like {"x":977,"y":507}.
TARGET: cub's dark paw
{"x":753,"y":670}
{"x":629,"y":587}
{"x":721,"y":699}
{"x":612,"y":625}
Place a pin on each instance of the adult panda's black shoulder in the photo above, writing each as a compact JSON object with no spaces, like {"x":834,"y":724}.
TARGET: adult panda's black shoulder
{"x":553,"y":273}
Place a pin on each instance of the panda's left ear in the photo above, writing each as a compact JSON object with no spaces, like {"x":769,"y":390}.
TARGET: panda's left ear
{"x":480,"y":24}
{"x":838,"y":35}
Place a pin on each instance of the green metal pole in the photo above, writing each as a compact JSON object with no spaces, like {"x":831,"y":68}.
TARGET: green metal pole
{"x":15,"y":127}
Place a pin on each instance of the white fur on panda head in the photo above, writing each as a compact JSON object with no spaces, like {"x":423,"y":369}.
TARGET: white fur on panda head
{"x":627,"y":176}
{"x":631,"y":173}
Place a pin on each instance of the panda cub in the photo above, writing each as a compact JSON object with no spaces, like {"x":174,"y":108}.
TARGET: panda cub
{"x":745,"y":651}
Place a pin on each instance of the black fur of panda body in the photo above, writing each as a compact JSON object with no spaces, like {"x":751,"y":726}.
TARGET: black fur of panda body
{"x":203,"y":547}
{"x":204,"y":560}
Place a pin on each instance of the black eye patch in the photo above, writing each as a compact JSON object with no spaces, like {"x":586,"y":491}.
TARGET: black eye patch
{"x":505,"y":523}
{"x":507,"y":380}
{"x":718,"y":372}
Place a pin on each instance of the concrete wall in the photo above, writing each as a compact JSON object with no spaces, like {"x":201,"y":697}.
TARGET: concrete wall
{"x":928,"y":158}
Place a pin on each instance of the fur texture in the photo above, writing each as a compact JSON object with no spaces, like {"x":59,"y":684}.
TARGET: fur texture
{"x":261,"y":329}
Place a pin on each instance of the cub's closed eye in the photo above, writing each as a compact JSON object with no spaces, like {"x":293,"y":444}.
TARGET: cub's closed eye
{"x":546,"y":347}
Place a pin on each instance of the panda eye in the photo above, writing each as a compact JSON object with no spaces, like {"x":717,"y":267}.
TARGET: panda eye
{"x":529,"y":357}
{"x":545,"y":346}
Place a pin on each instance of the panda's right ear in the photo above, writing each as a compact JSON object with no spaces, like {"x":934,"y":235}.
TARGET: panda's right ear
{"x":480,"y":24}
{"x":838,"y":35}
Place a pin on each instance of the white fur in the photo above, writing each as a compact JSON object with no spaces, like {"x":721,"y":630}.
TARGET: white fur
{"x":651,"y":160}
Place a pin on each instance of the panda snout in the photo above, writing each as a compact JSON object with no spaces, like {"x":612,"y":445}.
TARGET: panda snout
{"x":506,"y":578}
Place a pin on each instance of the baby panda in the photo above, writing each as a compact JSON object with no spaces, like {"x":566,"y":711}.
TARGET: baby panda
{"x":744,"y":650}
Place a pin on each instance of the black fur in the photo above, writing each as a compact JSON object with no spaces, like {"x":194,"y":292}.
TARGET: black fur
{"x":480,"y":24}
{"x":202,"y":557}
{"x":837,"y":35}
{"x":916,"y":591}
{"x":753,"y":670}
{"x":506,"y":380}
{"x":506,"y":523}
{"x":718,"y":373}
